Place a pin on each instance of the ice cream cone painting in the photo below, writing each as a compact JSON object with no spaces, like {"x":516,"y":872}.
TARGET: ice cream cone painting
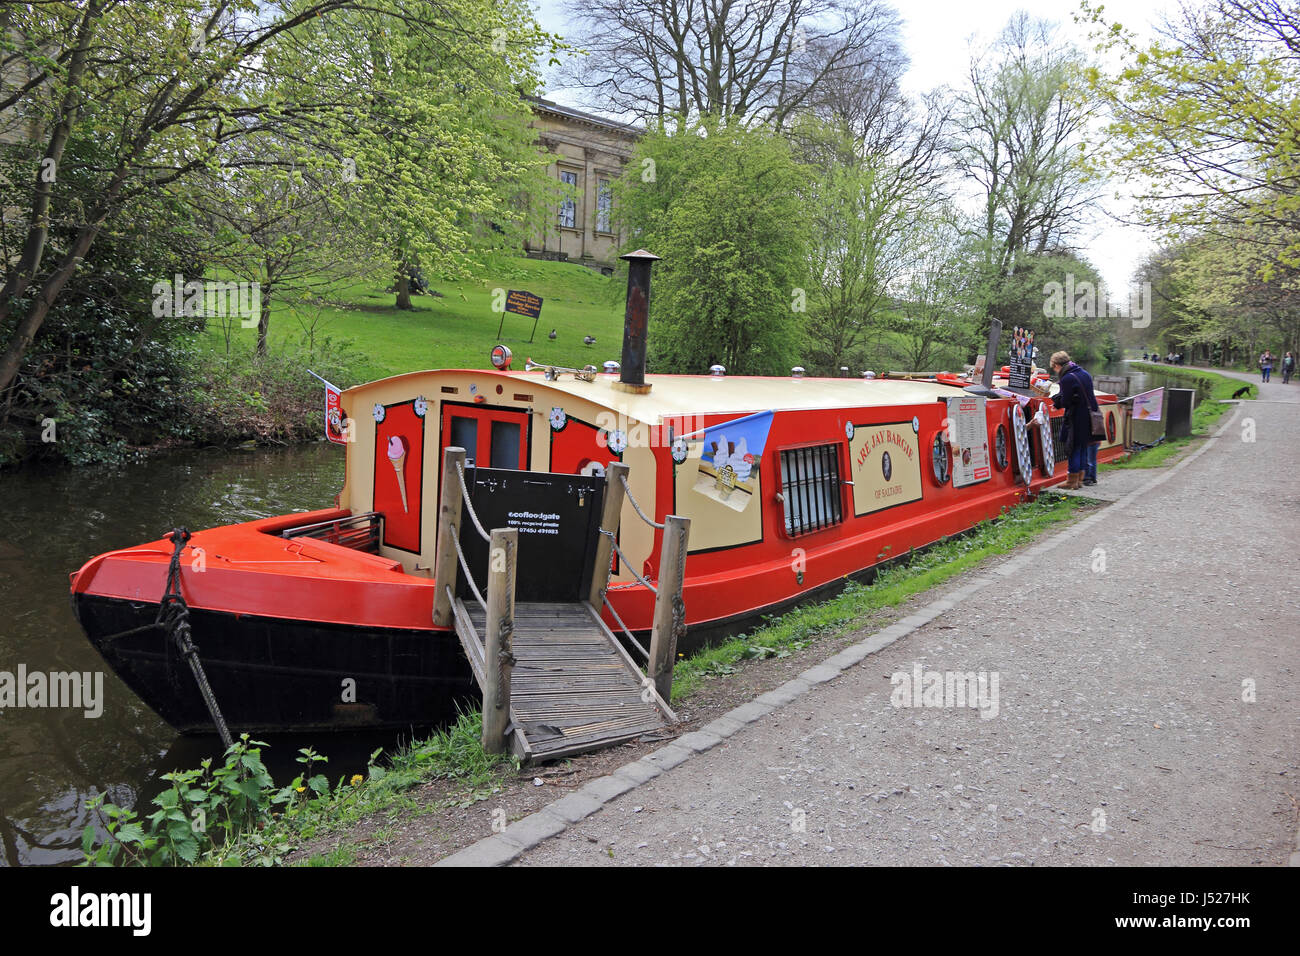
{"x":397,"y":458}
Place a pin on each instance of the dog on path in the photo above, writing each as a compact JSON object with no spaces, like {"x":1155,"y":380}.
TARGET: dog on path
{"x":1244,"y":390}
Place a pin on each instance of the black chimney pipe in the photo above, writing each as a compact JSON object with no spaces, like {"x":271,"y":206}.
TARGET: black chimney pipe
{"x":635,"y":319}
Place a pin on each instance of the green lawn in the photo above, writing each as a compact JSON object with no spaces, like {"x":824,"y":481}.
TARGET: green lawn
{"x":458,"y":329}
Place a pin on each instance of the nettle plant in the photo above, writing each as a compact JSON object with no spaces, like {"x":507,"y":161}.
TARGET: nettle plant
{"x":203,"y":811}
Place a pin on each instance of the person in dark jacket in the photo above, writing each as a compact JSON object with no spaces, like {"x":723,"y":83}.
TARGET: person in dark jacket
{"x":1077,"y":399}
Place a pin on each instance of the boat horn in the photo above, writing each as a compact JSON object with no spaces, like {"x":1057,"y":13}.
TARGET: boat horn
{"x":552,"y":372}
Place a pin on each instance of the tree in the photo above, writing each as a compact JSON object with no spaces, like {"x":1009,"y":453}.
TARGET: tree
{"x":169,"y":87}
{"x":1206,"y":119}
{"x":723,"y":207}
{"x":759,"y":61}
{"x":937,"y":310}
{"x":877,"y":173}
{"x":1019,"y":130}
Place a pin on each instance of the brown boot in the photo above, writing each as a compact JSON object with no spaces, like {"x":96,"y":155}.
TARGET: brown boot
{"x":1074,"y":481}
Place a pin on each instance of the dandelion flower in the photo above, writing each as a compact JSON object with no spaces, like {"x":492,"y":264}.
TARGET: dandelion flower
{"x":357,"y":779}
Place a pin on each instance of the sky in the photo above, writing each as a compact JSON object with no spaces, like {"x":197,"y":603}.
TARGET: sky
{"x":937,"y":37}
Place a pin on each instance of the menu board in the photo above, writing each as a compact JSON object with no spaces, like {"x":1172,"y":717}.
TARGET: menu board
{"x":969,"y":437}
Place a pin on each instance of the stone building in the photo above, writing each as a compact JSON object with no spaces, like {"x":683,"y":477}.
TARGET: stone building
{"x":589,"y":154}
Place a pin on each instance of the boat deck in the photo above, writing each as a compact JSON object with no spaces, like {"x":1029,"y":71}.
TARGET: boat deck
{"x":573,"y":687}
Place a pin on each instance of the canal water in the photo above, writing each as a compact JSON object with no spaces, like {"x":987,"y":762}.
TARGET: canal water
{"x":1142,"y":380}
{"x":52,"y":761}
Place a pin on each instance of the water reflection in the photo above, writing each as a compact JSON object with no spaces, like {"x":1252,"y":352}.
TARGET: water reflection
{"x":52,"y":761}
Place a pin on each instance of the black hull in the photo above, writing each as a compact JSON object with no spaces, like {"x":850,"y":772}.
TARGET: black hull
{"x":274,"y":675}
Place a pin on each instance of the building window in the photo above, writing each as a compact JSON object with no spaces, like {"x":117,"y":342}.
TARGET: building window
{"x":810,"y":487}
{"x":569,"y":208}
{"x":604,"y":202}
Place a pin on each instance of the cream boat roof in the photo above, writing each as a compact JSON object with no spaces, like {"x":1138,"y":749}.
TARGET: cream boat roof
{"x":674,"y":395}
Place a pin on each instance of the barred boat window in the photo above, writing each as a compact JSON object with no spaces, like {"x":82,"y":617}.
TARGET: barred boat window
{"x":810,"y":483}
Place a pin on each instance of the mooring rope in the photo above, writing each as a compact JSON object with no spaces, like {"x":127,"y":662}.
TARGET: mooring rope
{"x":636,"y":507}
{"x":464,"y":566}
{"x":464,"y":493}
{"x":635,"y":643}
{"x":174,"y":615}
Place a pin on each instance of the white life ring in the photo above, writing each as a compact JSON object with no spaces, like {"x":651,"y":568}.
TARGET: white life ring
{"x":1024,"y":461}
{"x":1045,"y":440}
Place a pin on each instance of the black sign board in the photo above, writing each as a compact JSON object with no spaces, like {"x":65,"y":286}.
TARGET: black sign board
{"x":1022,"y":358}
{"x":522,"y":303}
{"x":558,"y":519}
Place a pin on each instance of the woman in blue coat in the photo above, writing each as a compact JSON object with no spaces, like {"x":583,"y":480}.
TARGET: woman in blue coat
{"x":1077,"y":399}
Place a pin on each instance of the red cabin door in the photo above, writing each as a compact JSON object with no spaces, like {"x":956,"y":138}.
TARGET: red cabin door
{"x":492,"y":437}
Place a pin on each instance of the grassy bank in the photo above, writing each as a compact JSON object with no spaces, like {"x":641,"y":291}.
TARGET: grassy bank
{"x":1204,"y":416}
{"x":454,"y":328}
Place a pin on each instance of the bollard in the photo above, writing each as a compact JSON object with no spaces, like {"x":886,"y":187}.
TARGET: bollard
{"x":610,"y":513}
{"x":670,"y":610}
{"x":498,"y":661}
{"x":445,"y":565}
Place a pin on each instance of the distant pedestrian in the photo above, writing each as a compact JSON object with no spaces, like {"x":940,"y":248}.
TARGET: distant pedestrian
{"x":1266,"y":365}
{"x":1288,"y":368}
{"x":1078,"y":401}
{"x":1145,"y":356}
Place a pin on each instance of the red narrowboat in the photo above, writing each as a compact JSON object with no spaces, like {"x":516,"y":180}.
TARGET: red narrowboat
{"x":323,"y":620}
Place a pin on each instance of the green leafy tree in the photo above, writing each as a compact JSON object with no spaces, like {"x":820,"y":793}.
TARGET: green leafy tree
{"x":1019,"y":126}
{"x":170,"y":88}
{"x":725,"y":209}
{"x":1206,"y":119}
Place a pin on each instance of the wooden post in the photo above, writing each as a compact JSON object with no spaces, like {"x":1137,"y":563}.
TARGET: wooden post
{"x":445,"y":565}
{"x":498,"y":661}
{"x":670,"y":614}
{"x":610,"y":512}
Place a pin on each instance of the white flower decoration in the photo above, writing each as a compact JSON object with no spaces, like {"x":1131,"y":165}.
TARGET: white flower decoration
{"x":421,"y":406}
{"x":679,"y":450}
{"x":916,"y":424}
{"x":558,"y":418}
{"x":617,"y":442}
{"x":848,"y":430}
{"x":380,"y":412}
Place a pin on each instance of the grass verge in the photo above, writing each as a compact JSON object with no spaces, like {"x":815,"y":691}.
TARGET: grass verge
{"x":893,"y":585}
{"x":454,"y":753}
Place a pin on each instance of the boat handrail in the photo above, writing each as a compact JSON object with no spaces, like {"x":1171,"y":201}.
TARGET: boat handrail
{"x":360,"y":532}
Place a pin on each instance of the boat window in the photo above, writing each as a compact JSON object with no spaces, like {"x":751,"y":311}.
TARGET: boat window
{"x":464,"y":434}
{"x":505,"y":445}
{"x":810,"y":485}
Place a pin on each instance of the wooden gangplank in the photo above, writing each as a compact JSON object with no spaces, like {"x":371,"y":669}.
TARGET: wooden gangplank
{"x":573,"y":687}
